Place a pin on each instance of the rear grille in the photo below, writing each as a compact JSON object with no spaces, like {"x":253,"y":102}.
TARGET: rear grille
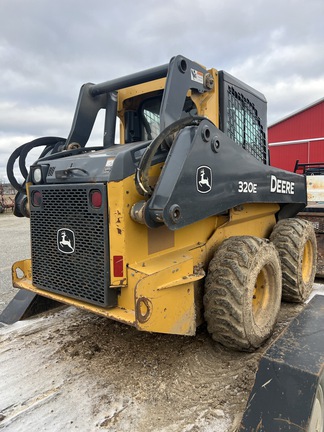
{"x":83,"y":273}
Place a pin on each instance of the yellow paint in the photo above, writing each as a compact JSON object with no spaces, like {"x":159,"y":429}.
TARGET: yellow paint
{"x":130,"y":239}
{"x":208,"y":103}
{"x":251,"y":219}
{"x":138,"y":90}
{"x":24,"y":282}
{"x":21,"y":270}
{"x":172,"y":308}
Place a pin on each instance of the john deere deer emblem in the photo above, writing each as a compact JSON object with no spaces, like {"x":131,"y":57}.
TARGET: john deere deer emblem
{"x":204,"y":179}
{"x":65,"y":240}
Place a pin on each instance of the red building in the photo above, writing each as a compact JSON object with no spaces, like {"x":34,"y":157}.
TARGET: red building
{"x":298,"y":136}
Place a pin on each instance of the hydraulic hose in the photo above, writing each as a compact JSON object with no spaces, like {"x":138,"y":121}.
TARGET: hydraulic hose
{"x":21,"y":152}
{"x":50,"y":142}
{"x":142,"y":177}
{"x":10,"y":170}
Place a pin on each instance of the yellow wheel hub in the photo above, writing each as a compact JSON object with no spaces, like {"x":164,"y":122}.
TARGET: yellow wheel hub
{"x":261,"y":296}
{"x":307,"y":263}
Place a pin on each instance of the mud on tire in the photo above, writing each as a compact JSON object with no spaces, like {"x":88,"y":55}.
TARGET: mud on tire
{"x":295,"y":241}
{"x":243,"y":292}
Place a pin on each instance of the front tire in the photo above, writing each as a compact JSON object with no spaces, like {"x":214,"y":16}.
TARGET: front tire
{"x":295,"y":241}
{"x":243,"y":292}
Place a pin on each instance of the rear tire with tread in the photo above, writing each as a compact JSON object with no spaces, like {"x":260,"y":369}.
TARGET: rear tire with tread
{"x":295,"y":241}
{"x":243,"y":292}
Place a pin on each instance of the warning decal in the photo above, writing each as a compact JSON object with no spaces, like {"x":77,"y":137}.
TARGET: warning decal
{"x":197,"y":76}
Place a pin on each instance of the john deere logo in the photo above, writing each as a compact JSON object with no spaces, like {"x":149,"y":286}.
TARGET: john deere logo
{"x":204,"y":179}
{"x":65,"y":240}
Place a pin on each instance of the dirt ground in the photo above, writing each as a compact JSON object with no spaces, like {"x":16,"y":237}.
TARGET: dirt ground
{"x":71,"y":370}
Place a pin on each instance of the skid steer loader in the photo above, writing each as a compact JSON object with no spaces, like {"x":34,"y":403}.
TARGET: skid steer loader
{"x":183,"y":221}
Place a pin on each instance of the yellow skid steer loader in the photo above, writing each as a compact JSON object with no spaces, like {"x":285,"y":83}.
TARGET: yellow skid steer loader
{"x":184,"y":220}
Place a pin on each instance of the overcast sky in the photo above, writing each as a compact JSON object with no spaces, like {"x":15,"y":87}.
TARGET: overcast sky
{"x":49,"y":48}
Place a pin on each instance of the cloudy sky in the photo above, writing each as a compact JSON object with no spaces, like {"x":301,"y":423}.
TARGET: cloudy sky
{"x":48,"y":49}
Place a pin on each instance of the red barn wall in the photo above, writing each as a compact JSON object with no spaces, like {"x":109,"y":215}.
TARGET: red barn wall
{"x":307,"y":125}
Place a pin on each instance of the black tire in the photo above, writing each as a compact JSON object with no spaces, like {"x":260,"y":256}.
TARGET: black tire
{"x":295,"y":241}
{"x":243,"y":292}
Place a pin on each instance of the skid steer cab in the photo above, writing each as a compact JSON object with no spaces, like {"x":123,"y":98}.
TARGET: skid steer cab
{"x":183,"y":221}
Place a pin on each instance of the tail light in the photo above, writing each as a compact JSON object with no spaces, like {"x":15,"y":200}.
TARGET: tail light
{"x":95,"y":198}
{"x":37,"y":198}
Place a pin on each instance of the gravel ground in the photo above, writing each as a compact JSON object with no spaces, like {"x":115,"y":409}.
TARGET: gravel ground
{"x":15,"y":246}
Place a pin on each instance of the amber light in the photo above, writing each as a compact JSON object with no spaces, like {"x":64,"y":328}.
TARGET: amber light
{"x":96,"y":198}
{"x":37,"y":199}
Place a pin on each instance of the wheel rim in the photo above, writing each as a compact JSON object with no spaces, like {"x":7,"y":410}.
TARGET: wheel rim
{"x":316,"y":423}
{"x":261,"y":296}
{"x":307,"y":263}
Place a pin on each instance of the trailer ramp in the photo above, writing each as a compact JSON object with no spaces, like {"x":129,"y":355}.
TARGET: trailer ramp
{"x":288,"y":389}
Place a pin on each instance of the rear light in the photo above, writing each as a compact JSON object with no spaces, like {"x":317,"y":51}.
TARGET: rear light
{"x":118,"y":262}
{"x":95,"y":198}
{"x":37,"y":199}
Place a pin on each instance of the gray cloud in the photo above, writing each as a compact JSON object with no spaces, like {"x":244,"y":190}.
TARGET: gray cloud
{"x":49,"y":49}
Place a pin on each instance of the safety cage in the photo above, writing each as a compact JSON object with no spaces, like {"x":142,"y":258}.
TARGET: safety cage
{"x":243,"y":116}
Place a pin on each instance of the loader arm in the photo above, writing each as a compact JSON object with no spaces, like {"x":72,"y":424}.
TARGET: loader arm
{"x":198,"y":180}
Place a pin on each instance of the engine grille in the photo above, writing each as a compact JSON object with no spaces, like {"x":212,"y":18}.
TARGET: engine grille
{"x":65,"y":213}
